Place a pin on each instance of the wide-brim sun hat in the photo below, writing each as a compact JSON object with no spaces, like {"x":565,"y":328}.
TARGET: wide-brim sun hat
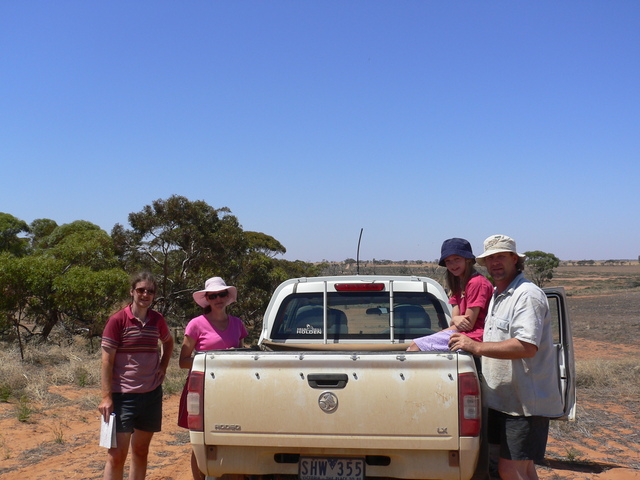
{"x":455,"y":246}
{"x":497,"y":244}
{"x":215,"y":284}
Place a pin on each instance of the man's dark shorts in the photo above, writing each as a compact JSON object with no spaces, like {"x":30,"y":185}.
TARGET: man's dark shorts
{"x":520,"y":438}
{"x":140,"y":411}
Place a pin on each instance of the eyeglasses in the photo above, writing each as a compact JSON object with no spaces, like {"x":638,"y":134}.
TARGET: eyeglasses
{"x":142,"y":291}
{"x":213,"y":296}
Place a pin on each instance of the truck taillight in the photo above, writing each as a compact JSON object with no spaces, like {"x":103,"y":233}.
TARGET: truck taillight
{"x":359,"y":287}
{"x":195,"y":401}
{"x":469,"y":404}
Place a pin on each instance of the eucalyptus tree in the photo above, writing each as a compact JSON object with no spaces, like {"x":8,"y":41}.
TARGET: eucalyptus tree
{"x":12,"y":298}
{"x":82,"y":282}
{"x":70,"y":278}
{"x":40,"y":229}
{"x":184,"y":242}
{"x":10,"y":230}
{"x":540,"y":266}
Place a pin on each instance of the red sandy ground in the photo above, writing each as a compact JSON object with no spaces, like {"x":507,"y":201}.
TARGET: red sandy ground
{"x":30,"y":450}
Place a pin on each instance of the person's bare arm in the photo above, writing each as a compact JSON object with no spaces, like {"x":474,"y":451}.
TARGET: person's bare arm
{"x":466,"y":322}
{"x":106,"y":404}
{"x":188,"y":345}
{"x":508,"y":349}
{"x":167,"y":351}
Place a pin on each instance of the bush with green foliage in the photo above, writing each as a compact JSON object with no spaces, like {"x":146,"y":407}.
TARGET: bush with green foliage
{"x":540,"y":266}
{"x":73,"y":276}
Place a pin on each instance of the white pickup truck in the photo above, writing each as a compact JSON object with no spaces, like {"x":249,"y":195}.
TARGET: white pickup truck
{"x":332,"y":393}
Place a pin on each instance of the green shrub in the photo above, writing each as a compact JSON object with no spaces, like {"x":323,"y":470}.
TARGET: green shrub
{"x":5,"y":393}
{"x":23,"y":409}
{"x":81,"y":377}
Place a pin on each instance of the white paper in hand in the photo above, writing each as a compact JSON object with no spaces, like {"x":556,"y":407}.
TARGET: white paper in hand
{"x":108,"y":432}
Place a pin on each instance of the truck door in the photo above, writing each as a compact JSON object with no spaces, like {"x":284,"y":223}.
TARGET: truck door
{"x":563,"y":343}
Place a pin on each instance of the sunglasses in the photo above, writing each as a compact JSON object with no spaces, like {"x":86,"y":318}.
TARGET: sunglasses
{"x":213,"y":296}
{"x":142,"y":291}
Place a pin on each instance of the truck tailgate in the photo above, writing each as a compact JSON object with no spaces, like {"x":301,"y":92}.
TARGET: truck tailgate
{"x":325,"y":399}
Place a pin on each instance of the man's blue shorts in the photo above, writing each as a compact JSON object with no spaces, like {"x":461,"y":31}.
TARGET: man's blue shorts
{"x":520,"y":438}
{"x":140,"y":411}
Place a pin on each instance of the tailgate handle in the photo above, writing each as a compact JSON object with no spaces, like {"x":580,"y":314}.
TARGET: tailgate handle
{"x":327,"y":380}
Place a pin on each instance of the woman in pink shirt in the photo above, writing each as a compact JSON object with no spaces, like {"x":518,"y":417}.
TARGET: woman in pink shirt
{"x":470,"y":295}
{"x":215,"y":329}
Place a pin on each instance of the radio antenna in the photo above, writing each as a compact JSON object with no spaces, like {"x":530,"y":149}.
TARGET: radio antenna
{"x":358,"y":254}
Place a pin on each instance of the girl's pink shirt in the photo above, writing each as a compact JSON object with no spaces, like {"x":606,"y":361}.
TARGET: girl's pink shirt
{"x":477,"y":294}
{"x":208,"y":337}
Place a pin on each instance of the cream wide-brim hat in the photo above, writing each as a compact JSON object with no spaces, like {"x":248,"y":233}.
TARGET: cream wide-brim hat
{"x":215,"y":284}
{"x":496,"y":244}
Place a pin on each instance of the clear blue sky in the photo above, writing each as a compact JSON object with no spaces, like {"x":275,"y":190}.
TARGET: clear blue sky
{"x":417,"y":121}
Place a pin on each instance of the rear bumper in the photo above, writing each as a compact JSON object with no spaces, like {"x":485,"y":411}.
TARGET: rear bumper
{"x":460,"y":464}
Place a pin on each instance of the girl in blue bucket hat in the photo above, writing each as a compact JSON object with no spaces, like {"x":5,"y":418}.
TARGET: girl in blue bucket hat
{"x":470,"y":293}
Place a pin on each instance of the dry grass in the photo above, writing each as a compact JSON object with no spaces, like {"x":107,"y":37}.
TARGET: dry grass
{"x":26,"y":383}
{"x":28,"y":380}
{"x":614,"y":379}
{"x":603,"y":384}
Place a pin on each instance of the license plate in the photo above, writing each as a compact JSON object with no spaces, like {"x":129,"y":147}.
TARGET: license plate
{"x":327,"y":468}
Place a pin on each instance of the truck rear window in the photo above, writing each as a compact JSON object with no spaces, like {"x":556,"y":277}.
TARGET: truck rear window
{"x":359,"y":316}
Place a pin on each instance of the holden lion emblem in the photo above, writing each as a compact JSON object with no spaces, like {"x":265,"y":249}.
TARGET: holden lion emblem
{"x":328,"y":402}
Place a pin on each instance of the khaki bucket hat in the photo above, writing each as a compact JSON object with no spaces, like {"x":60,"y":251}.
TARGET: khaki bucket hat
{"x":496,"y":244}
